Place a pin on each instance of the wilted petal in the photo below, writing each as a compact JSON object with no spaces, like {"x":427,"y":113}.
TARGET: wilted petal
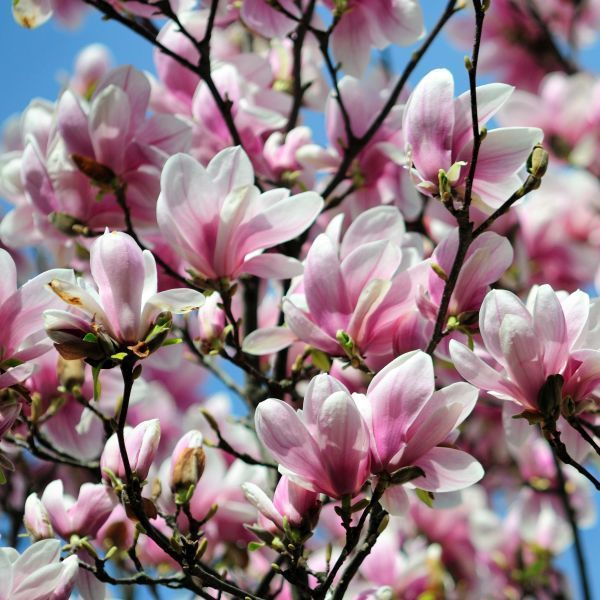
{"x":31,"y":13}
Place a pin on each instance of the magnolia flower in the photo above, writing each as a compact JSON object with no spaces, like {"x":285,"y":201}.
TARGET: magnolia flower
{"x":357,"y":287}
{"x":126,"y":306}
{"x":141,"y":444}
{"x":530,"y":343}
{"x":83,"y":516}
{"x":325,"y":446}
{"x":411,"y":424}
{"x":38,"y":573}
{"x":221,"y":223}
{"x":438,"y":132}
{"x":21,"y":336}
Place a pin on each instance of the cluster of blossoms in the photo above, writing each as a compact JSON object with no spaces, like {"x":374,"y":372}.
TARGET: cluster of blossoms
{"x":269,"y":361}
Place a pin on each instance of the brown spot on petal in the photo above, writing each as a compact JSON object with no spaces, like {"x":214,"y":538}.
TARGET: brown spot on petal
{"x":68,"y":298}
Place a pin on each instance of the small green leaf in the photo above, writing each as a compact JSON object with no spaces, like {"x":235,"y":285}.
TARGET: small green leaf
{"x":90,"y":337}
{"x":320,"y":360}
{"x":119,"y":355}
{"x":254,"y":546}
{"x":172,"y":341}
{"x":425,"y":497}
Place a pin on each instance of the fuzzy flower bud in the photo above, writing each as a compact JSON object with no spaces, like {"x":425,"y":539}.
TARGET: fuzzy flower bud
{"x":187,"y":462}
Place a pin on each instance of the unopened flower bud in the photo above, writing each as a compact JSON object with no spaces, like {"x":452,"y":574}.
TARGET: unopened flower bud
{"x":36,"y":519}
{"x":187,"y":462}
{"x":211,"y":323}
{"x":141,"y":444}
{"x":538,"y":162}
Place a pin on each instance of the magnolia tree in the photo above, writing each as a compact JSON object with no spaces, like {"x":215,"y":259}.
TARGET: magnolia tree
{"x":394,"y":305}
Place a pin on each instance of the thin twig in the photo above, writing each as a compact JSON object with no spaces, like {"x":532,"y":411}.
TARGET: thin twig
{"x":570,"y":513}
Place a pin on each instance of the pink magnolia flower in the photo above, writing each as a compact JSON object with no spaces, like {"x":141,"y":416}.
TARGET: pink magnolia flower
{"x":211,"y":323}
{"x":529,"y":343}
{"x":38,"y":573}
{"x":411,"y":424}
{"x":126,"y":305}
{"x":141,"y":444}
{"x":267,"y":20}
{"x":438,"y":132}
{"x":367,"y":24}
{"x":487,"y":259}
{"x":83,"y":516}
{"x":325,"y":446}
{"x":114,"y":131}
{"x":257,"y":107}
{"x":21,"y":336}
{"x":292,"y":502}
{"x":219,"y":221}
{"x":359,"y":286}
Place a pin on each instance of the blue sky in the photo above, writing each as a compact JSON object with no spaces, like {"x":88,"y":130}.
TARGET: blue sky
{"x":32,"y":62}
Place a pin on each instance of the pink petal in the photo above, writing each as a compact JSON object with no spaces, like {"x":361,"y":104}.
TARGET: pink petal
{"x":280,"y":429}
{"x":503,"y":152}
{"x":117,"y":266}
{"x":498,"y":304}
{"x":448,"y":470}
{"x":272,"y":266}
{"x":429,"y":123}
{"x":550,"y":327}
{"x":375,"y":224}
{"x":325,"y":287}
{"x":490,"y":98}
{"x":268,"y":340}
{"x":306,"y":330}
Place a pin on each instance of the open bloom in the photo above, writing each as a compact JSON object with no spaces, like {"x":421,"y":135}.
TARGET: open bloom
{"x":529,"y":343}
{"x":38,"y":573}
{"x":325,"y":446}
{"x":126,"y":305}
{"x":358,"y":286}
{"x":22,"y":333}
{"x":83,"y":516}
{"x":356,"y":289}
{"x":220,"y":222}
{"x":411,"y":424}
{"x":439,"y":137}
